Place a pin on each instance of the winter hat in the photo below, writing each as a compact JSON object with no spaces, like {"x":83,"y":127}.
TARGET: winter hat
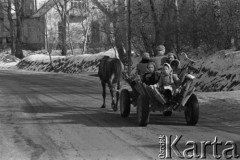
{"x":160,"y":49}
{"x":145,"y":55}
{"x":172,"y":54}
{"x":175,"y":63}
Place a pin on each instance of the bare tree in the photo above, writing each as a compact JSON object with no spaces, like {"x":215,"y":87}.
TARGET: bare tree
{"x":113,"y":17}
{"x":195,"y":40}
{"x":218,"y":24}
{"x":86,"y":26}
{"x":86,"y":35}
{"x":177,"y":27}
{"x":11,"y":27}
{"x":49,"y":47}
{"x":69,"y":34}
{"x":157,"y":26}
{"x":163,"y":23}
{"x":148,"y":43}
{"x":50,"y":34}
{"x":19,"y":18}
{"x":7,"y":9}
{"x":62,"y":10}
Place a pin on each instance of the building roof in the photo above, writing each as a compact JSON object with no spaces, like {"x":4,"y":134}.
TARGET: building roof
{"x":45,"y":8}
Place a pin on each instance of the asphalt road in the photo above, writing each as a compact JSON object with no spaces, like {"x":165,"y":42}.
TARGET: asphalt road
{"x":58,"y":117}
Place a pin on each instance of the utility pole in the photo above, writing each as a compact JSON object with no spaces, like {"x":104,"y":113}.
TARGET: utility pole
{"x":129,"y":37}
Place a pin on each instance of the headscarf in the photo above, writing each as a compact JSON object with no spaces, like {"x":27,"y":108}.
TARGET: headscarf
{"x":175,"y":63}
{"x":170,"y":75}
{"x":168,"y":65}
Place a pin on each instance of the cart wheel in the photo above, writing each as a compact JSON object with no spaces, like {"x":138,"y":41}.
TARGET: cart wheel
{"x":125,"y":103}
{"x":143,"y":110}
{"x":167,"y":113}
{"x":192,"y":110}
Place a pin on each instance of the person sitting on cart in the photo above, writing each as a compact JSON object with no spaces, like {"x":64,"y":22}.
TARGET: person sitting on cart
{"x":171,"y":57}
{"x":168,"y":81}
{"x":176,"y":66}
{"x":152,"y":76}
{"x":142,"y":65}
{"x":160,"y":57}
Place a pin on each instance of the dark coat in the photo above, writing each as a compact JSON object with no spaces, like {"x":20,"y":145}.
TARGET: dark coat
{"x":151,"y":78}
{"x":142,"y":67}
{"x":159,"y":61}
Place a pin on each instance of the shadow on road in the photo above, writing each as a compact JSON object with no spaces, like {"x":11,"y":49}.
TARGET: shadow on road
{"x":93,"y":117}
{"x":175,"y":119}
{"x":94,"y":74}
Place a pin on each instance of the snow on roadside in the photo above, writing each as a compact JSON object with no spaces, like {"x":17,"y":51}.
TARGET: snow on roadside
{"x":66,"y":64}
{"x":7,"y":60}
{"x":219,"y":71}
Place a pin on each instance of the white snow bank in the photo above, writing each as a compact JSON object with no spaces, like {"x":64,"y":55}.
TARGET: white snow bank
{"x":67,"y":64}
{"x":7,"y":60}
{"x":220,"y":71}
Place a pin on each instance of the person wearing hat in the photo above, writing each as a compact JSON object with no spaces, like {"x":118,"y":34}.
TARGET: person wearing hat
{"x":160,"y":50}
{"x":159,"y":58}
{"x":142,"y":65}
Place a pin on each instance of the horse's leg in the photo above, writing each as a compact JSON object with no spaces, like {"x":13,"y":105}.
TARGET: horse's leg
{"x":117,"y":93}
{"x":103,"y":94}
{"x":112,"y":91}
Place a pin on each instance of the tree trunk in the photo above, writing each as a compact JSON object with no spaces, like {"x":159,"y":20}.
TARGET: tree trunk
{"x":64,"y":29}
{"x":117,"y":33}
{"x":195,"y":41}
{"x":19,"y":16}
{"x":70,"y":36}
{"x":177,"y":28}
{"x":218,"y":26}
{"x":118,"y":43}
{"x":86,"y":39}
{"x":129,"y":37}
{"x":162,"y":34}
{"x":158,"y":35}
{"x":49,"y":48}
{"x":237,"y":37}
{"x":11,"y":29}
{"x":86,"y":30}
{"x":147,"y":42}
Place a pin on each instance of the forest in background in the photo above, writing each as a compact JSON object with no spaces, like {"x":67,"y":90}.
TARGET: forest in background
{"x":180,"y":25}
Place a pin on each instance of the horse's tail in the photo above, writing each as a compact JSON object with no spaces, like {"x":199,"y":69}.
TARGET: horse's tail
{"x":117,"y":70}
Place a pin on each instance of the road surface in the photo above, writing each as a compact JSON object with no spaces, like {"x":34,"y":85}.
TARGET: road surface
{"x":48,"y":116}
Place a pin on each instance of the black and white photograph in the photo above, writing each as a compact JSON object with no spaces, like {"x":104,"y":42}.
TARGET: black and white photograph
{"x":119,"y":79}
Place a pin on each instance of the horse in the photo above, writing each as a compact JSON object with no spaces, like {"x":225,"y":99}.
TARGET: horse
{"x":109,"y":72}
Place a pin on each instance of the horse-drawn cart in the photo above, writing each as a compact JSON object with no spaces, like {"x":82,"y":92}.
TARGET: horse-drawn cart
{"x":147,"y":98}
